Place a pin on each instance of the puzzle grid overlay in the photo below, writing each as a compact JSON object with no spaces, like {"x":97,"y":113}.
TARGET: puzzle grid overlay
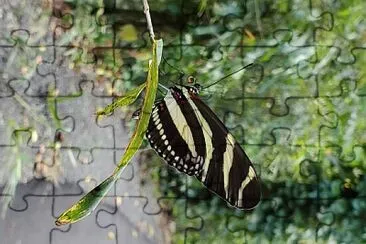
{"x":48,"y":126}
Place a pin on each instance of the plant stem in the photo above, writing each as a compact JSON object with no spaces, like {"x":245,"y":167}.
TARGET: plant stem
{"x":148,"y":19}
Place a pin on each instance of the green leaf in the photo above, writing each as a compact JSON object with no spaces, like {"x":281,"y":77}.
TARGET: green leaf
{"x":90,"y":201}
{"x":86,"y":204}
{"x":151,"y":88}
{"x":129,"y":98}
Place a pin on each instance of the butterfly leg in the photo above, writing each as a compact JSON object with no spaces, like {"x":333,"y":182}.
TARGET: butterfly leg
{"x":136,"y":114}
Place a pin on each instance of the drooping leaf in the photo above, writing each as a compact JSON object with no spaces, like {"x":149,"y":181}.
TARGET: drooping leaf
{"x":86,"y":204}
{"x":142,"y":123}
{"x":90,"y":201}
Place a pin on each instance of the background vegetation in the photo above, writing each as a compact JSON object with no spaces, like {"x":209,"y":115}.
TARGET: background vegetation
{"x":298,"y":112}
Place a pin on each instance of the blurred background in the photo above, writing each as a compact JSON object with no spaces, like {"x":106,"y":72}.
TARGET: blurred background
{"x":298,"y":112}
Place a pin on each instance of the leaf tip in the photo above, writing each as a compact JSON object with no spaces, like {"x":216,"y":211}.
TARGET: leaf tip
{"x":62,"y":221}
{"x":99,"y":113}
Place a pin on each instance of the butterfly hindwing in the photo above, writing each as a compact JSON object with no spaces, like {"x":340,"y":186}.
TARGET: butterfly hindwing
{"x":190,"y":137}
{"x":165,"y":137}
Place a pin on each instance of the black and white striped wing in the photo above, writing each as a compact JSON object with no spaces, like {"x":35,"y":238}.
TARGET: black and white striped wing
{"x":170,"y":132}
{"x":190,"y":137}
{"x":227,"y":171}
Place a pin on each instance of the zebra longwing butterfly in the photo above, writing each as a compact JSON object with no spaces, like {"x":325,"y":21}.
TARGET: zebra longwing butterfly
{"x":191,"y":138}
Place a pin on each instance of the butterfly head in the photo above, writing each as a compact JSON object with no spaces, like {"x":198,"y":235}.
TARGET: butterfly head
{"x":193,"y":88}
{"x":182,"y":92}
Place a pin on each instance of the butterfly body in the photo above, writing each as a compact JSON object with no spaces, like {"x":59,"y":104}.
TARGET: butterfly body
{"x":188,"y":135}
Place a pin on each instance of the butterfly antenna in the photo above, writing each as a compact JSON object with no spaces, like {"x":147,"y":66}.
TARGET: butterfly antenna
{"x":164,"y":87}
{"x":181,"y":73}
{"x":226,"y":76}
{"x":171,"y":66}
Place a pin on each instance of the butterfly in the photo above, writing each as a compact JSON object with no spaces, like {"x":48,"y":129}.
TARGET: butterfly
{"x":190,"y":137}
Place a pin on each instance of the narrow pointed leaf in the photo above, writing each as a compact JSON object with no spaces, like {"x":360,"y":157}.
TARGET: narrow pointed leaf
{"x":142,"y":123}
{"x":90,"y":201}
{"x":127,"y":99}
{"x":87,"y":203}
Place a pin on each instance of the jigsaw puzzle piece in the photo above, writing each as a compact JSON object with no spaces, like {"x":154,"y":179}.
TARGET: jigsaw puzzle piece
{"x":77,"y":173}
{"x":272,"y":221}
{"x":276,"y":72}
{"x":332,"y":77}
{"x":82,"y":24}
{"x":120,"y":127}
{"x":183,"y":218}
{"x":24,"y":192}
{"x":130,"y":224}
{"x":51,"y":74}
{"x":20,"y":59}
{"x":341,"y":30}
{"x":257,"y":81}
{"x":261,"y":123}
{"x":37,"y":218}
{"x":323,"y":68}
{"x":210,"y":221}
{"x":122,"y":15}
{"x":242,"y":31}
{"x":86,"y":230}
{"x":142,"y":182}
{"x":246,"y":24}
{"x":109,"y":68}
{"x":36,"y":24}
{"x":331,"y":219}
{"x":77,"y":114}
{"x":5,"y":90}
{"x":134,"y":183}
{"x":357,"y":72}
{"x":348,"y":108}
{"x":25,"y":113}
{"x":198,"y":68}
{"x":345,"y":178}
{"x":34,"y":114}
{"x":127,"y":33}
{"x":244,"y":226}
{"x":145,"y":227}
{"x":326,"y":219}
{"x":115,"y":70}
{"x":24,"y":172}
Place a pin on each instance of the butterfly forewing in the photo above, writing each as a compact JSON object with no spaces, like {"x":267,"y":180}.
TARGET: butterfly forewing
{"x":230,"y":173}
{"x":190,"y":137}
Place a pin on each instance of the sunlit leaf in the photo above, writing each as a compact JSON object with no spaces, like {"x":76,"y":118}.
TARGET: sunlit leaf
{"x":90,"y":201}
{"x":87,"y":204}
